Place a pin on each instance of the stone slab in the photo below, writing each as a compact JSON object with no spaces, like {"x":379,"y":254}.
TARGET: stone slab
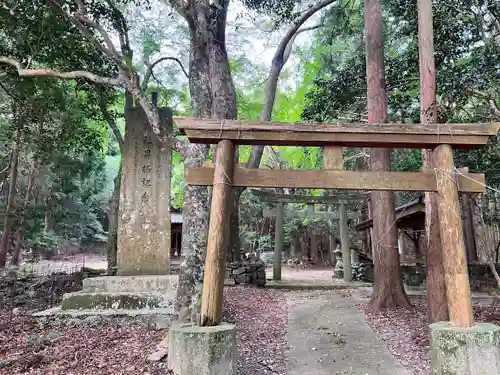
{"x":160,"y":318}
{"x":465,"y":351}
{"x":106,"y":300}
{"x":144,"y":227}
{"x":195,"y":350}
{"x":131,"y":284}
{"x":57,"y":311}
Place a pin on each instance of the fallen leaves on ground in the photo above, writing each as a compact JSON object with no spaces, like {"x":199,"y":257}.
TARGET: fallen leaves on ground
{"x":405,"y":332}
{"x":27,"y":347}
{"x":117,"y":346}
{"x":261,"y":319}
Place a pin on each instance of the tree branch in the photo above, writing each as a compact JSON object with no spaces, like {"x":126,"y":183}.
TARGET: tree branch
{"x":88,"y":34}
{"x":488,"y":99}
{"x":184,"y":8}
{"x":280,"y":57}
{"x":149,"y":71}
{"x":297,"y":24}
{"x":129,"y":78}
{"x":289,"y":46}
{"x":76,"y":74}
{"x":111,"y":123}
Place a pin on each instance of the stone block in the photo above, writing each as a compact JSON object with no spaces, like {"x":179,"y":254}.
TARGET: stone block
{"x":465,"y":351}
{"x":195,"y":350}
{"x":102,"y":300}
{"x":131,"y":284}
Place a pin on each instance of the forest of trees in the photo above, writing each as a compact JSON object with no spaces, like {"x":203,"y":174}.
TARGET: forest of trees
{"x":71,"y":69}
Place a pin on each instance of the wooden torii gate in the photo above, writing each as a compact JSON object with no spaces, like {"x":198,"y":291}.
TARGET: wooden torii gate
{"x":444,"y":180}
{"x":281,"y":213}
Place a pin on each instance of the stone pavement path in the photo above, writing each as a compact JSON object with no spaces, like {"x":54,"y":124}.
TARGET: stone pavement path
{"x":327,"y":335}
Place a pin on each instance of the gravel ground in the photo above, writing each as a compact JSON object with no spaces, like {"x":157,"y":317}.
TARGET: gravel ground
{"x":118,"y":346}
{"x":405,"y":332}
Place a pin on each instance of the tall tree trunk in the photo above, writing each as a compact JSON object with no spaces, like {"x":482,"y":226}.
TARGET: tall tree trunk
{"x":388,"y":288}
{"x":235,"y":241}
{"x":436,"y":289}
{"x":16,"y":257}
{"x":114,"y":201}
{"x":469,"y":233}
{"x":14,"y":162}
{"x":212,"y":95}
{"x":114,"y":207}
{"x":195,"y":211}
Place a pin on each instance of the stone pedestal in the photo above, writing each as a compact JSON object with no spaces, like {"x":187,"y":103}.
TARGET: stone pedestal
{"x":144,"y":215}
{"x":465,"y":351}
{"x":195,"y":350}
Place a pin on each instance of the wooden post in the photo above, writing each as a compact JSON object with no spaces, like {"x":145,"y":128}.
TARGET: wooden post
{"x":470,"y":238}
{"x":401,"y":244}
{"x":344,"y":241}
{"x":333,"y":159}
{"x":452,"y":239}
{"x":278,"y":241}
{"x":218,"y":235}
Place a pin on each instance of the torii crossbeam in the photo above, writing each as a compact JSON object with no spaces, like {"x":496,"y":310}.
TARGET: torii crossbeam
{"x":444,"y":179}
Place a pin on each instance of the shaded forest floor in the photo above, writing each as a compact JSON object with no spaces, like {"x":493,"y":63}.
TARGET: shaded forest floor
{"x":405,"y":332}
{"x":98,"y":346}
{"x":121,"y":346}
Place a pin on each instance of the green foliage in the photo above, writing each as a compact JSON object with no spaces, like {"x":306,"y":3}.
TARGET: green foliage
{"x":280,"y":11}
{"x":466,"y":56}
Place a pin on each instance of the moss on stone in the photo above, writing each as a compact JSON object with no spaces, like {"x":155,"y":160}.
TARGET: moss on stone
{"x":75,"y":301}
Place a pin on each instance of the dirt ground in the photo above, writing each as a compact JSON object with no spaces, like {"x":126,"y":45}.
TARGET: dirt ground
{"x":97,"y":346}
{"x":279,"y":332}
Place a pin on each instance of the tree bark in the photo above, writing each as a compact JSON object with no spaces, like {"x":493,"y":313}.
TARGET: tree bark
{"x":14,"y":162}
{"x":214,"y":271}
{"x":195,"y":209}
{"x":388,"y":289}
{"x":469,"y":233}
{"x":224,"y":105}
{"x":16,"y":256}
{"x":212,"y":94}
{"x":114,"y":207}
{"x":436,"y":289}
{"x":234,"y":246}
{"x":494,"y":272}
{"x":114,"y":201}
{"x":344,"y":240}
{"x":452,"y":240}
{"x":278,"y":241}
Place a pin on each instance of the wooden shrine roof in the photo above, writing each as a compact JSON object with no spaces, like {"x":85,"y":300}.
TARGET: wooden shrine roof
{"x":410,"y":215}
{"x":462,"y":136}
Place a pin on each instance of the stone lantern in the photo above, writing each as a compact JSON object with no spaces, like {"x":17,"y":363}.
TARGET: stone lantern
{"x":338,"y":270}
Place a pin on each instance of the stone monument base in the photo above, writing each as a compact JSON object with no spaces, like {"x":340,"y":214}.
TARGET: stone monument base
{"x":465,"y":351}
{"x":121,"y":295}
{"x":195,"y":350}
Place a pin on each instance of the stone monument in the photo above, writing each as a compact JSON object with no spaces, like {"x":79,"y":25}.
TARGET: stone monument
{"x":144,"y":215}
{"x":143,"y":285}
